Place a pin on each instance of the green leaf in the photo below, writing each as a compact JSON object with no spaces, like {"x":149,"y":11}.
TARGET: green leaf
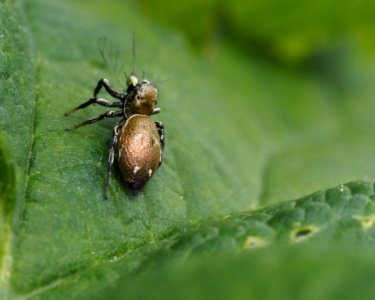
{"x":283,"y":273}
{"x":288,"y":32}
{"x":7,"y":203}
{"x":243,"y":134}
{"x":317,"y":239}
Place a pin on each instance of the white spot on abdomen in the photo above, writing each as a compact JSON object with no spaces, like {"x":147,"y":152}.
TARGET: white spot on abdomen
{"x":136,"y":169}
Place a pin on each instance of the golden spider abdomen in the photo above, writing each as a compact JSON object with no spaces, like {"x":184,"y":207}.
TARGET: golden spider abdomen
{"x":138,"y":151}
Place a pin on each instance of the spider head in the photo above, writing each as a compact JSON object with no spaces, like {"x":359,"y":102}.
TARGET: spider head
{"x":141,"y":97}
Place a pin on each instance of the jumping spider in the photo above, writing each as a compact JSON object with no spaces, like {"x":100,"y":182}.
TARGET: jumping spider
{"x":137,"y":142}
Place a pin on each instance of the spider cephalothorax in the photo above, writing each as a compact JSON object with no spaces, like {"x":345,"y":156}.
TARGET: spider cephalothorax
{"x":141,"y":98}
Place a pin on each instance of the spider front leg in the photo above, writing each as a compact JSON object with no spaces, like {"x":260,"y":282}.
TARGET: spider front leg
{"x":99,"y":101}
{"x":111,"y":158}
{"x":105,"y":83}
{"x":108,"y":114}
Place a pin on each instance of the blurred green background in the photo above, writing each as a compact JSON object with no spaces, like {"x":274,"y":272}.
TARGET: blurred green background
{"x":264,"y":102}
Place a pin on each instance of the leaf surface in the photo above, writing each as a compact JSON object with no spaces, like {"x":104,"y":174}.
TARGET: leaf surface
{"x":244,"y":135}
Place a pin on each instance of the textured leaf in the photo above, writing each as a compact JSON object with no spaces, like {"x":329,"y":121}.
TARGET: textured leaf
{"x":243,"y":136}
{"x":301,"y":273}
{"x":303,"y":238}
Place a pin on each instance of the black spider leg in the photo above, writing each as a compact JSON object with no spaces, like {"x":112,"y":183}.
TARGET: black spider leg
{"x":105,"y":83}
{"x":108,"y":114}
{"x":111,"y":157}
{"x":99,"y":101}
{"x":160,"y":127}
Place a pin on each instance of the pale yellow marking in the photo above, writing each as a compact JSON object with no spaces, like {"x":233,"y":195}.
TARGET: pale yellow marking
{"x":136,"y":169}
{"x":252,"y":242}
{"x":150,"y":172}
{"x":133,"y":80}
{"x":366,"y":221}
